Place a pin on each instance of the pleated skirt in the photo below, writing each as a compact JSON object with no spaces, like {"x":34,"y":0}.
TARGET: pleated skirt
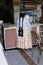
{"x":25,"y":42}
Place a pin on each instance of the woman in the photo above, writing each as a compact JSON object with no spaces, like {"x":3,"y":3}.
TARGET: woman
{"x":24,"y":42}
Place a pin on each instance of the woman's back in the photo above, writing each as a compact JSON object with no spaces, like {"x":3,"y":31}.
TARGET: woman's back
{"x":26,"y":23}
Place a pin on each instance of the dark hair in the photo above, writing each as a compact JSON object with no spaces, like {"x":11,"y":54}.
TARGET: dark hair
{"x":22,"y":14}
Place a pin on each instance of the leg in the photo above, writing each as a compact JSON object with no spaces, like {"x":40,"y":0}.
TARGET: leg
{"x":39,"y":57}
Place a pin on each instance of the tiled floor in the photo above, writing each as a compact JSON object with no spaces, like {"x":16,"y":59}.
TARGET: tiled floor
{"x":15,"y":58}
{"x":36,"y":56}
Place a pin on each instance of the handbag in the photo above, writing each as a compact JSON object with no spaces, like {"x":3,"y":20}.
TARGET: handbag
{"x":20,"y":30}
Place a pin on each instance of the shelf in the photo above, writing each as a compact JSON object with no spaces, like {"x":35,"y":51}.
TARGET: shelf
{"x":34,"y":1}
{"x":32,"y":15}
{"x":29,"y":5}
{"x":41,"y":35}
{"x":30,"y":8}
{"x":27,"y":1}
{"x":41,"y":31}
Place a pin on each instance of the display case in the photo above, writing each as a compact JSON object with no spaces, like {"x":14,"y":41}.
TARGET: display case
{"x":41,"y":18}
{"x":41,"y":33}
{"x":30,"y":5}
